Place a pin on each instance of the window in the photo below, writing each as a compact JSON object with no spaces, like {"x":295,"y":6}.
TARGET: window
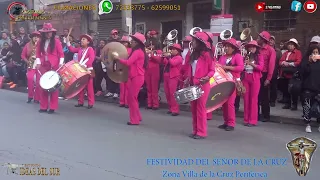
{"x":282,"y":20}
{"x":202,"y":15}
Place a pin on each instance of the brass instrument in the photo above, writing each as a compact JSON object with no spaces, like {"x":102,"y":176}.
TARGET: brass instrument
{"x":224,"y":35}
{"x":193,"y":32}
{"x":32,"y":57}
{"x":245,"y":34}
{"x":171,"y":39}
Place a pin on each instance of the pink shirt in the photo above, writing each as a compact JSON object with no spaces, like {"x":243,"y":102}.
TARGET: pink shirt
{"x":135,"y":63}
{"x":175,"y":64}
{"x":90,"y":54}
{"x":236,"y":62}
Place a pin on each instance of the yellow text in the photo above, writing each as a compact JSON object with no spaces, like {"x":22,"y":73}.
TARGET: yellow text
{"x":40,"y":171}
{"x":75,"y":7}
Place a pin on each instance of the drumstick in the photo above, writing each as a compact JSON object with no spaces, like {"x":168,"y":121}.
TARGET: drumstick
{"x":70,"y":29}
{"x":56,"y":71}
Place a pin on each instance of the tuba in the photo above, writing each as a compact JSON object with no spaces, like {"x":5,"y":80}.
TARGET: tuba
{"x":245,"y":34}
{"x":224,"y":35}
{"x":32,"y":57}
{"x":193,"y":32}
{"x":171,"y":39}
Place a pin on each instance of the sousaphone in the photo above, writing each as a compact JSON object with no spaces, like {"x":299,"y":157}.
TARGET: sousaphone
{"x":117,"y":72}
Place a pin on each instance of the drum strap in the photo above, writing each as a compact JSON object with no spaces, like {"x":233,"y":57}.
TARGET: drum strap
{"x":83,"y":56}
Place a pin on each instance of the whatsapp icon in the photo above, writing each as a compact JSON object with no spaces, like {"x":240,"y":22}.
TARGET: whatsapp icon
{"x":105,"y":7}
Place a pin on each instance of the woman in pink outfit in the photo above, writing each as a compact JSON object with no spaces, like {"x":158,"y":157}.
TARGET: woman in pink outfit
{"x":171,"y":76}
{"x":123,"y":100}
{"x":253,"y":67}
{"x":232,"y":63}
{"x":28,"y":52}
{"x":49,"y":56}
{"x":86,"y":56}
{"x":199,"y":70}
{"x":137,"y":63}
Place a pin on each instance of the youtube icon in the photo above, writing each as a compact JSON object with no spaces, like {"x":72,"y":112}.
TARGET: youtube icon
{"x":310,"y":6}
{"x":260,"y":6}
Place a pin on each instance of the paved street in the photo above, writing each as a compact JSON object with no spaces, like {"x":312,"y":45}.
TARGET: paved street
{"x":97,"y":144}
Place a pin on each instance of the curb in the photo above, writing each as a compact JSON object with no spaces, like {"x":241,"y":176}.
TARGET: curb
{"x":186,"y":108}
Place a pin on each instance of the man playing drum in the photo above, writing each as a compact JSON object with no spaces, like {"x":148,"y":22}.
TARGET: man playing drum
{"x":49,"y":56}
{"x":28,"y":55}
{"x":86,"y":55}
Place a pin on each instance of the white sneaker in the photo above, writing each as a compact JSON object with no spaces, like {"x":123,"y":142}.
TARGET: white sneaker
{"x":115,"y":95}
{"x":308,"y":129}
{"x":108,"y":94}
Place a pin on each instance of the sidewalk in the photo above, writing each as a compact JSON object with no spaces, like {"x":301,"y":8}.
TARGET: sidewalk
{"x":278,"y":114}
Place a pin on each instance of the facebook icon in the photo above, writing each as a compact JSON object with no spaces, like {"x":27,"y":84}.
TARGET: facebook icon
{"x":296,"y":6}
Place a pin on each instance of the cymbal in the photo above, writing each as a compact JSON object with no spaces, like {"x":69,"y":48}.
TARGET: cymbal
{"x":117,"y":72}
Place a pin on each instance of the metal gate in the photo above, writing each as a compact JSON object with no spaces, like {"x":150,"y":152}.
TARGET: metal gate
{"x":105,"y":26}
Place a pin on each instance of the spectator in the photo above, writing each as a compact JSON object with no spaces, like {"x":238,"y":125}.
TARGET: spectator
{"x":274,"y":82}
{"x":22,"y":38}
{"x":4,"y":59}
{"x":100,"y":69}
{"x":15,"y":65}
{"x":4,"y":38}
{"x":68,"y":55}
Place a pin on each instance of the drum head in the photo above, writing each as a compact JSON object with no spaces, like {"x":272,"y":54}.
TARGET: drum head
{"x":219,"y":94}
{"x":76,"y":87}
{"x":49,"y":80}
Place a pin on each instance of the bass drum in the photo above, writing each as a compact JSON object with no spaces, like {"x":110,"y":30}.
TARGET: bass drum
{"x":74,"y":79}
{"x":222,"y":86}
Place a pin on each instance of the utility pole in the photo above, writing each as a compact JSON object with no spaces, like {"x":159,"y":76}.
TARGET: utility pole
{"x":126,"y":17}
{"x":223,"y":7}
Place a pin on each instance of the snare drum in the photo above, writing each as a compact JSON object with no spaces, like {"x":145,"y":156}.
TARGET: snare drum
{"x":188,"y":94}
{"x":222,"y":86}
{"x":50,"y":81}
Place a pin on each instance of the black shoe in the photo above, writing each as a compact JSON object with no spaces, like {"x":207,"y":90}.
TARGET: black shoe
{"x":155,"y":108}
{"x":121,"y":105}
{"x":51,"y":111}
{"x":42,"y":110}
{"x":174,"y":114}
{"x":169,"y":112}
{"x":191,"y":135}
{"x":287,"y":106}
{"x":223,"y":126}
{"x":251,"y":125}
{"x":29,"y":100}
{"x":229,"y":128}
{"x":78,"y":105}
{"x":198,"y":137}
{"x":90,"y":107}
{"x":126,"y":106}
{"x":265,"y":119}
{"x":272,"y":104}
{"x":282,"y":101}
{"x":130,"y":124}
{"x":294,"y":107}
{"x":246,"y":124}
{"x":36,"y":102}
{"x":148,"y":107}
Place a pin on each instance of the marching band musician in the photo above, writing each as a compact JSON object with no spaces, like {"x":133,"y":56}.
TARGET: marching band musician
{"x":231,"y":62}
{"x":269,"y":56}
{"x":28,"y":55}
{"x":213,"y":49}
{"x":185,"y":54}
{"x":199,"y":70}
{"x":152,"y":76}
{"x":137,"y":63}
{"x":253,"y":67}
{"x":86,"y":57}
{"x":171,"y":77}
{"x":49,"y":55}
{"x":123,"y":101}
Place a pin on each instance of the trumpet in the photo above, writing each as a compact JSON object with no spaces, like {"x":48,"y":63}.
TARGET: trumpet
{"x":224,"y":35}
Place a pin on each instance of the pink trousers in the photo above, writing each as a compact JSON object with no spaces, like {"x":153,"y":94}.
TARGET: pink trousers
{"x":229,"y":112}
{"x":170,"y":87}
{"x":33,"y":87}
{"x":90,"y":93}
{"x":199,"y":113}
{"x":134,"y":86}
{"x":251,"y":99}
{"x":123,"y":94}
{"x":44,"y":95}
{"x":152,"y":78}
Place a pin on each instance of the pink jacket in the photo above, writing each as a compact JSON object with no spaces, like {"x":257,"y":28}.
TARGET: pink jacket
{"x":205,"y":67}
{"x":135,"y":63}
{"x":236,"y":62}
{"x":175,"y":65}
{"x":26,"y":52}
{"x":90,"y":54}
{"x":129,"y":50}
{"x":258,"y":69}
{"x":55,"y":56}
{"x":154,"y":61}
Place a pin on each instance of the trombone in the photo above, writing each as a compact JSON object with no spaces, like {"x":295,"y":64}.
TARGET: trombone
{"x":219,"y":49}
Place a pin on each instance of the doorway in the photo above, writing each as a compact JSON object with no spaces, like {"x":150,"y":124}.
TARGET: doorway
{"x":170,"y":25}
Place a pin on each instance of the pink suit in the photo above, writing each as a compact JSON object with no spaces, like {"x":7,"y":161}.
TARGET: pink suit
{"x":229,"y":114}
{"x":204,"y":67}
{"x":33,"y":87}
{"x":91,"y":56}
{"x":49,"y":60}
{"x":251,"y":82}
{"x":171,"y":79}
{"x":152,"y":78}
{"x":213,"y":49}
{"x":123,"y":100}
{"x":135,"y":63}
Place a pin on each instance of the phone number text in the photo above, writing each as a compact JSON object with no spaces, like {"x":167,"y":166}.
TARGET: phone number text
{"x":142,"y":7}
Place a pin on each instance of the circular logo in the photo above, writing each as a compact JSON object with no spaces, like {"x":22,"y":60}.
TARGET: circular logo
{"x":105,"y":7}
{"x":16,"y":9}
{"x":260,"y":7}
{"x":310,"y":6}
